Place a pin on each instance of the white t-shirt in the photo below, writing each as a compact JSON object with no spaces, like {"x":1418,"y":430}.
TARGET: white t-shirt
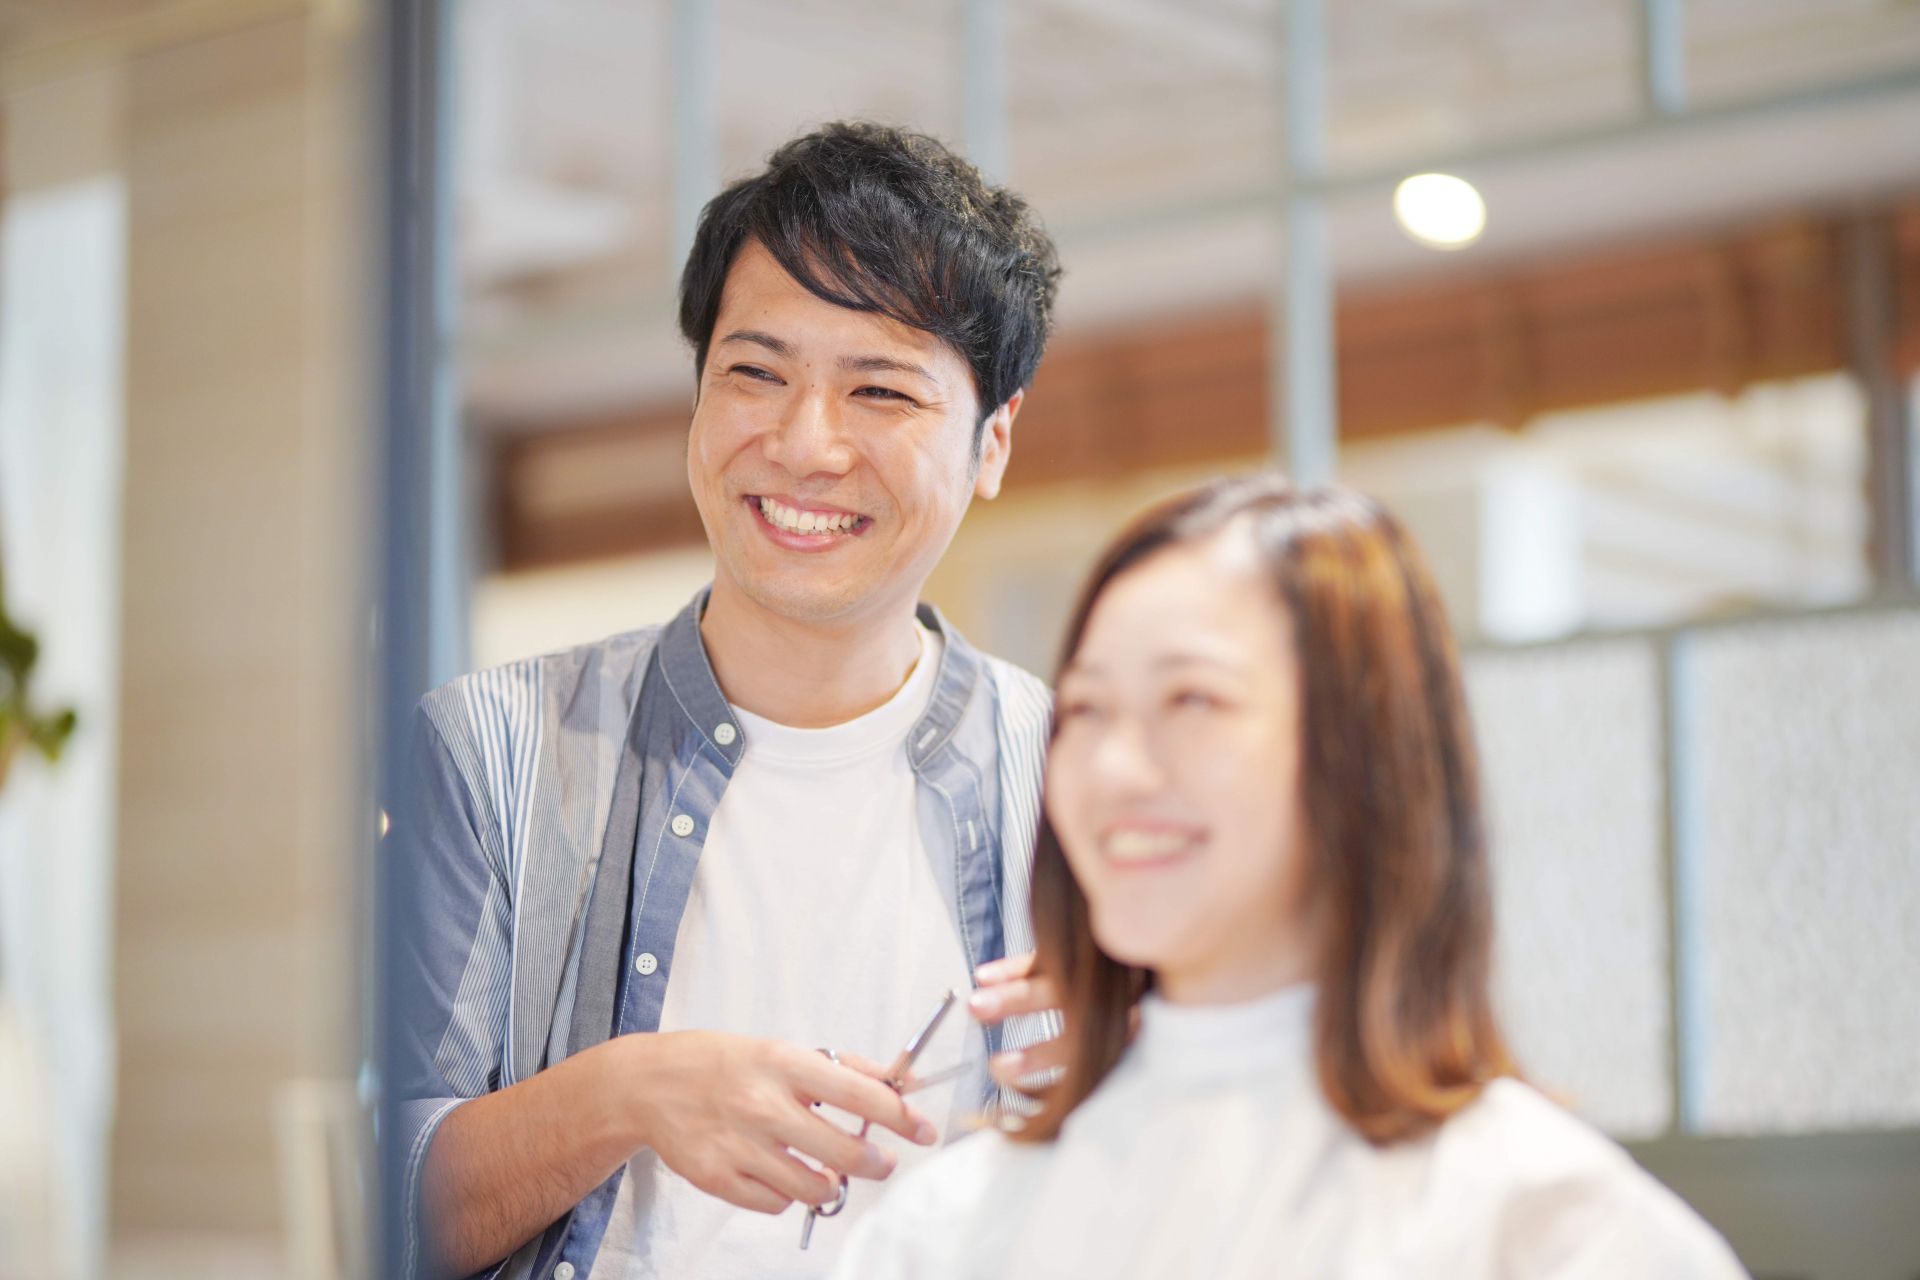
{"x":1211,"y":1151}
{"x":813,"y":918}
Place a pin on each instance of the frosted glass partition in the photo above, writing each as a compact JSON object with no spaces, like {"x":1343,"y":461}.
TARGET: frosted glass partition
{"x":1570,"y":740}
{"x":1802,"y":921}
{"x":62,"y":454}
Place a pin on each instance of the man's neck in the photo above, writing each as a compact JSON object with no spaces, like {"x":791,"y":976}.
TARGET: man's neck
{"x":803,"y":674}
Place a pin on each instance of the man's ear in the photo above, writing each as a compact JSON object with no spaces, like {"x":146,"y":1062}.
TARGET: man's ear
{"x":996,"y":447}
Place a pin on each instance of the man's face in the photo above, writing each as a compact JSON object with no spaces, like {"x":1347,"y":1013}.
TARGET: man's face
{"x":831,"y":453}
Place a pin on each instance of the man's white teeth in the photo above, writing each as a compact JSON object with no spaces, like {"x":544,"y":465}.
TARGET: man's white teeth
{"x":781,"y":516}
{"x":1145,"y":846}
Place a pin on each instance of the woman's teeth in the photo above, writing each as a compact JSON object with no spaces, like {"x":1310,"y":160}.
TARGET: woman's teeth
{"x":1145,"y":846}
{"x":786,"y":518}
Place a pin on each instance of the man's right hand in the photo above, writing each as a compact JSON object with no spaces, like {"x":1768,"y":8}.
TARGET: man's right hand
{"x":727,"y":1112}
{"x":724,"y":1112}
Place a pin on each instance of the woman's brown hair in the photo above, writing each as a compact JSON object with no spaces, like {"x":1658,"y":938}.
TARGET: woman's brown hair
{"x":1397,"y":887}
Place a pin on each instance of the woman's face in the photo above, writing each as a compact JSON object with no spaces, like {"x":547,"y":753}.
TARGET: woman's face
{"x":1173,"y":782}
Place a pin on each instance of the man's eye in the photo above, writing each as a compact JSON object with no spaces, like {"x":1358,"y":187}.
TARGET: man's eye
{"x":883,"y":393}
{"x":754,"y":372}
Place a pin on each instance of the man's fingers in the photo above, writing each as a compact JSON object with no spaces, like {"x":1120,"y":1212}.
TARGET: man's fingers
{"x":814,"y":1136}
{"x":1012,"y":997}
{"x":912,"y":1084}
{"x":865,"y":1066}
{"x":752,"y":1194}
{"x":996,"y":971}
{"x":787,"y":1177}
{"x":822,"y":1081}
{"x":1017,"y":1065}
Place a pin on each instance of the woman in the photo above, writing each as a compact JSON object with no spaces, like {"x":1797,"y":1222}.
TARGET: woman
{"x":1261,"y":897}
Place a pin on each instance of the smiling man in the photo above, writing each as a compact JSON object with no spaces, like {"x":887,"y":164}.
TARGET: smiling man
{"x":659,"y":873}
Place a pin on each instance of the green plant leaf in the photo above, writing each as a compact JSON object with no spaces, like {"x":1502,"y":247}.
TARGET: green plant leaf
{"x":20,"y":724}
{"x":50,"y":733}
{"x":18,"y":651}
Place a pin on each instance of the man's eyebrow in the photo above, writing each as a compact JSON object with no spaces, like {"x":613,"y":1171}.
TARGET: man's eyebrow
{"x":779,"y":346}
{"x":885,"y":364}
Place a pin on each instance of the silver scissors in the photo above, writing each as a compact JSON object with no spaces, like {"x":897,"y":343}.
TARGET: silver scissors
{"x":900,"y":1079}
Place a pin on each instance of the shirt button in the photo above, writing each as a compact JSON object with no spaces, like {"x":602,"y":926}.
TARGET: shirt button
{"x":724,"y":734}
{"x":563,"y":1272}
{"x":682,"y":825}
{"x":646,"y":963}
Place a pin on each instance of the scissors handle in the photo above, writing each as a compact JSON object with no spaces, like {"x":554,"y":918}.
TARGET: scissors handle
{"x":897,"y":1081}
{"x":826,"y":1210}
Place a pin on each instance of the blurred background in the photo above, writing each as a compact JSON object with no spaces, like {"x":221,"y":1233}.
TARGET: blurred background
{"x":337,"y":356}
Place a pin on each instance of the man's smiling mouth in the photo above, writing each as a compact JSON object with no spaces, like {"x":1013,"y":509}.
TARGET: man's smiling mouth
{"x":820,"y":523}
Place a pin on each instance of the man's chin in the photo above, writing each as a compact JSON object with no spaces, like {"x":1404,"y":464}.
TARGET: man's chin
{"x":803,"y":602}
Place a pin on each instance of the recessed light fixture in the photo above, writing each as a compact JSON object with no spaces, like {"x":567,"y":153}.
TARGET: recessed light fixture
{"x":1440,"y":210}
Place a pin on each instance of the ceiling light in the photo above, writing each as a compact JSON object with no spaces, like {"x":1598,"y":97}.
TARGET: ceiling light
{"x":1440,"y":210}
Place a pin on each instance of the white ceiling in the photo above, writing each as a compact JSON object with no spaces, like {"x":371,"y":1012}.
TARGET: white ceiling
{"x":1116,"y":111}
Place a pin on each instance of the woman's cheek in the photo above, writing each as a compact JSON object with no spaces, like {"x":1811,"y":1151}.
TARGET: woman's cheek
{"x":1063,"y":804}
{"x":1062,"y":781}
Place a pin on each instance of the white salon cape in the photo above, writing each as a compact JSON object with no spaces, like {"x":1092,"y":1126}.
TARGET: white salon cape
{"x":1211,"y":1151}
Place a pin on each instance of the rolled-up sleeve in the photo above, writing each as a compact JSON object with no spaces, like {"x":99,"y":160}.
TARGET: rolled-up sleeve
{"x":453,"y":956}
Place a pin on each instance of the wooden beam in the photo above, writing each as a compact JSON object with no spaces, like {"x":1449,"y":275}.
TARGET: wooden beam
{"x":1715,"y":312}
{"x":1906,"y":265}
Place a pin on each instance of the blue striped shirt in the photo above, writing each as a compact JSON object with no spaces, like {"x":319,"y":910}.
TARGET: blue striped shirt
{"x":558,"y":810}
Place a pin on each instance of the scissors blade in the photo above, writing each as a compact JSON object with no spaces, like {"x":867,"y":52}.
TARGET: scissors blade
{"x":897,"y":1073}
{"x":918,"y":1083}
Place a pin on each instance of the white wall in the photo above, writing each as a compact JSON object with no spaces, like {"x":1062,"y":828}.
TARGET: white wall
{"x":519,"y":615}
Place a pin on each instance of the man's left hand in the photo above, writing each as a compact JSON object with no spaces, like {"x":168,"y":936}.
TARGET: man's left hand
{"x":1009,"y":988}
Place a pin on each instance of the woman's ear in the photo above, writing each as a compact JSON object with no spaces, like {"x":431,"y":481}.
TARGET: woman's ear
{"x":996,"y":447}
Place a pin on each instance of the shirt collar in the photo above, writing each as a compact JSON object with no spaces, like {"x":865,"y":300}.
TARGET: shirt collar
{"x":1219,"y":1041}
{"x":689,"y":675}
{"x":960,"y":665}
{"x":684,"y":666}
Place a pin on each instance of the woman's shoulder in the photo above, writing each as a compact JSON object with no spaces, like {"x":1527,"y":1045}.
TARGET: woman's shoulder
{"x":961,"y":1193}
{"x":1565,"y":1198}
{"x":1529,"y":1137}
{"x":967,"y":1166}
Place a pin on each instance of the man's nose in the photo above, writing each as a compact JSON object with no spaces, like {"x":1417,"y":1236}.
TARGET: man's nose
{"x":809,"y":439}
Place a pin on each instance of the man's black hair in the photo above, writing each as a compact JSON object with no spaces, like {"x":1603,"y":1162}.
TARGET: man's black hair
{"x":884,"y":220}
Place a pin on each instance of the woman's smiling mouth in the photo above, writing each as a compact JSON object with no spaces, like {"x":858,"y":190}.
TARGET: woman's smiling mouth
{"x":1130,"y":847}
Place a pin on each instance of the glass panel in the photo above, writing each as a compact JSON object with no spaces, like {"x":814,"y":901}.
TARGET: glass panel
{"x":781,"y":68}
{"x":63,"y":334}
{"x":1801,"y":953}
{"x":1116,"y":107}
{"x":562,"y":137}
{"x":1737,"y":49}
{"x":1410,"y":77}
{"x":1641,"y":514}
{"x":1570,"y":746}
